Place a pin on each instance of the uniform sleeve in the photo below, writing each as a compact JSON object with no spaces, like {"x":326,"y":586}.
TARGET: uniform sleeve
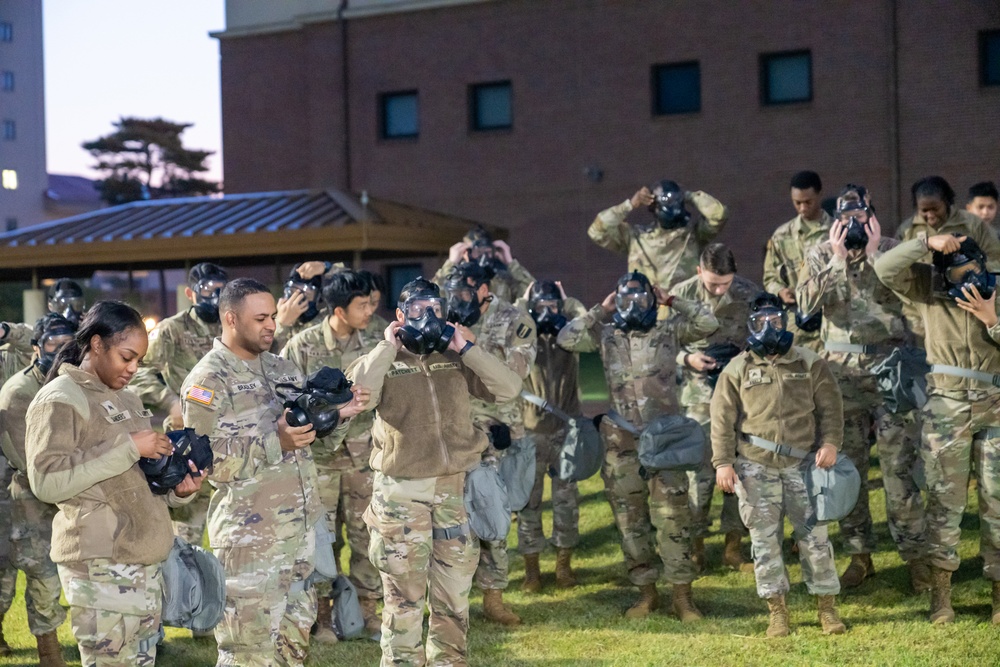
{"x":727,"y":405}
{"x":774,"y":281}
{"x":896,"y":270}
{"x":294,"y":351}
{"x":282,"y":335}
{"x":13,"y":415}
{"x":57,"y":468}
{"x":573,"y":308}
{"x":819,"y":279}
{"x":581,"y":334}
{"x":989,"y":243}
{"x":609,"y":230}
{"x":714,"y":215}
{"x":521,"y":277}
{"x":521,"y":345}
{"x":697,"y":322}
{"x":149,"y":382}
{"x":369,"y":371}
{"x":490,"y":379}
{"x":829,"y":405}
{"x":19,"y":337}
{"x":442,"y":273}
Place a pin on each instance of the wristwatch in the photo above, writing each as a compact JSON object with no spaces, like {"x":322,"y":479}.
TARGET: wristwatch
{"x":465,"y":348}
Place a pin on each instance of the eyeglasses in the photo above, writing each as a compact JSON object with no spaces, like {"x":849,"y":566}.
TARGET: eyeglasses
{"x":416,"y":308}
{"x":776,"y":319}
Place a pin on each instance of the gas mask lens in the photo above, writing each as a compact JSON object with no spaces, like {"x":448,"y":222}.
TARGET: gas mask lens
{"x":758,"y":321}
{"x":625,"y":300}
{"x":543,"y":306}
{"x":208,"y":289}
{"x":957,"y":274}
{"x":63,"y":303}
{"x":308,"y":290}
{"x":415,"y":309}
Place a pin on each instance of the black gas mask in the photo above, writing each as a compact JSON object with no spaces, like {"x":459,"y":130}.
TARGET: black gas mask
{"x":723,"y":353}
{"x":206,"y":298}
{"x":854,"y":216}
{"x":462,"y":289}
{"x":668,"y":206}
{"x":51,"y":331}
{"x":166,"y":472}
{"x":546,"y":305}
{"x":483,"y":253}
{"x":768,"y":325}
{"x":964,"y":269}
{"x":309,"y":289}
{"x":809,"y":323}
{"x":66,"y":298}
{"x":635,"y":304}
{"x":425,"y":329}
{"x":318,"y":403}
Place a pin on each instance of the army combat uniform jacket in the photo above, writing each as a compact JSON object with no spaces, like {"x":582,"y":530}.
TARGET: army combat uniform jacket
{"x":508,"y":284}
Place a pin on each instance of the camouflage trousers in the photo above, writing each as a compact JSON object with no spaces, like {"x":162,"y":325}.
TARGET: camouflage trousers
{"x":639,"y":505}
{"x":345,"y":495}
{"x":115,"y":611}
{"x":565,"y":502}
{"x":957,"y":432}
{"x":188,"y":521}
{"x":701,"y":485}
{"x":270,"y":608}
{"x":422,"y":546}
{"x":31,"y":540}
{"x":766,"y":496}
{"x":898,"y":441}
{"x":8,"y":573}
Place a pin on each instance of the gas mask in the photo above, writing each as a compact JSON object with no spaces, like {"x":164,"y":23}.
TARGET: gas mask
{"x":965,"y":268}
{"x":51,"y":331}
{"x":809,"y":323}
{"x":425,"y":329}
{"x":318,"y":403}
{"x":464,"y":306}
{"x":635,"y":304}
{"x":668,"y":206}
{"x":206,"y":298}
{"x":483,"y":253}
{"x":546,"y":305}
{"x":723,"y":353}
{"x":854,"y":216}
{"x":166,"y":472}
{"x":310,"y":290}
{"x":769,"y":331}
{"x":66,"y":299}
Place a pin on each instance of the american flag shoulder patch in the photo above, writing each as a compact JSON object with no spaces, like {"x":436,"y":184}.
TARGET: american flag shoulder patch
{"x":200,"y":394}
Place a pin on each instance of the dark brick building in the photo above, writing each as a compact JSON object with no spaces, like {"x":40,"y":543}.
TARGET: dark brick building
{"x":578,"y":111}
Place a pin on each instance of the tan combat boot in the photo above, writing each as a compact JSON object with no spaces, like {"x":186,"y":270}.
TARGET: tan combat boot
{"x":532,"y":575}
{"x":373,"y":620}
{"x":828,"y":619}
{"x":698,"y":554}
{"x":732,"y":555}
{"x":941,"y":610}
{"x":4,"y":646}
{"x":324,"y":622}
{"x":996,"y":603}
{"x":920,"y":575}
{"x":564,"y":573}
{"x":860,"y":568}
{"x":494,"y":609}
{"x":777,"y":625}
{"x":49,"y":651}
{"x":683,"y":604}
{"x":648,"y":602}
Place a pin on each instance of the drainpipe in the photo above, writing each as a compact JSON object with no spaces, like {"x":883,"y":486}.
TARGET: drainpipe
{"x":345,"y":95}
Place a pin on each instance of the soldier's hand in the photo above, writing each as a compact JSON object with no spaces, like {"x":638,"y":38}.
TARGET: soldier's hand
{"x":191,"y":483}
{"x":308,"y":270}
{"x":504,"y":249}
{"x":838,"y":233}
{"x":152,"y":445}
{"x":945,"y":243}
{"x":662,"y":298}
{"x":700,"y":362}
{"x":642,"y":198}
{"x":874,"y":236}
{"x":527,"y":290}
{"x":826,"y":456}
{"x":357,"y":404}
{"x":562,"y":292}
{"x":466,"y":334}
{"x":289,"y":309}
{"x":456,"y":253}
{"x":787,"y":296}
{"x":294,"y":437}
{"x":609,"y":303}
{"x":984,"y":310}
{"x":727,"y":479}
{"x":175,"y":416}
{"x":392,"y":333}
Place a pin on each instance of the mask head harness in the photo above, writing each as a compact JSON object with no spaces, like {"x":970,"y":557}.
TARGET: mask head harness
{"x":635,"y":303}
{"x":425,"y":326}
{"x":965,"y":268}
{"x":462,"y":287}
{"x":206,"y":280}
{"x":768,"y":326}
{"x":65,"y":297}
{"x":854,"y":215}
{"x":668,"y":207}
{"x":166,"y":472}
{"x":318,"y":403}
{"x":310,"y":289}
{"x":546,"y":305}
{"x":55,"y":329}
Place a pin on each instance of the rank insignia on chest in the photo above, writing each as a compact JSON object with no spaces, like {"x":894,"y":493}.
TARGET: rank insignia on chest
{"x":200,"y":394}
{"x":109,"y":407}
{"x":756,"y":376}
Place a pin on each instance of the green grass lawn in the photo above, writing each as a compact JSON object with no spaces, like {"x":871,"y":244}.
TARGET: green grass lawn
{"x":584,"y":626}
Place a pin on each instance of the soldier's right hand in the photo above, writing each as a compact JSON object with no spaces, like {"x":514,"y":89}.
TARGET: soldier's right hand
{"x":289,"y":309}
{"x":787,"y":296}
{"x":838,"y":236}
{"x":294,"y":437}
{"x":152,"y":445}
{"x":700,"y":361}
{"x":642,"y":198}
{"x":727,"y":479}
{"x":609,"y":303}
{"x":391,"y":333}
{"x":945,"y":243}
{"x":456,"y":253}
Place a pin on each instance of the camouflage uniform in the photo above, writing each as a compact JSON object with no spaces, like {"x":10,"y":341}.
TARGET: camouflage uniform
{"x":641,"y":370}
{"x":345,"y":478}
{"x":858,"y":310}
{"x":31,"y":519}
{"x":786,"y":251}
{"x":508,"y":284}
{"x":283,"y":334}
{"x":263,"y":512}
{"x":665,"y":256}
{"x":507,"y":333}
{"x":175,"y":345}
{"x":555,"y":377}
{"x":16,"y":352}
{"x":731,"y":310}
{"x":961,"y":420}
{"x":792,"y":400}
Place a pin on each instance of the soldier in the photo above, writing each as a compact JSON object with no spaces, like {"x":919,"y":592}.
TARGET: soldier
{"x":31,"y":529}
{"x":639,"y":355}
{"x":261,"y":522}
{"x":787,"y":248}
{"x":377,"y":323}
{"x":84,"y":436}
{"x":508,"y":333}
{"x":508,"y":278}
{"x":667,"y":247}
{"x":862,"y":323}
{"x":424,"y":441}
{"x":345,"y":478}
{"x":300,"y":304}
{"x":956,"y":299}
{"x":773,"y":406}
{"x":555,"y":378}
{"x":728,"y":295}
{"x":983,"y":198}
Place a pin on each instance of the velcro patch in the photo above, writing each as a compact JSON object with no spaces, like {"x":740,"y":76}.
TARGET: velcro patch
{"x":402,"y":371}
{"x":523,"y":331}
{"x":144,"y":414}
{"x":445,"y":366}
{"x":200,"y":394}
{"x":286,"y":379}
{"x":796,"y":376}
{"x":120,"y":417}
{"x":241,"y":387}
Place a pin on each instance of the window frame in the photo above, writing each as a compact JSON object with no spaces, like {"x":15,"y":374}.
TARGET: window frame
{"x":764,"y":59}
{"x":9,"y":130}
{"x":984,"y":37}
{"x":655,"y":70}
{"x":6,"y":31}
{"x":383,"y":117}
{"x":473,"y":104}
{"x":7,"y":81}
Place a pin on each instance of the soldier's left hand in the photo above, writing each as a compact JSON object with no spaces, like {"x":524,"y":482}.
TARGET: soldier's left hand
{"x":874,"y":236}
{"x":291,"y":308}
{"x":984,"y":310}
{"x":466,"y":333}
{"x":727,"y":479}
{"x":826,"y":456}
{"x":356,"y":405}
{"x":504,"y":249}
{"x":838,"y":233}
{"x":192,"y":482}
{"x":308,"y":270}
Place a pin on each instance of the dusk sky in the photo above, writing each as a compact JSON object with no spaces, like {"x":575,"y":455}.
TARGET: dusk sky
{"x":110,"y":58}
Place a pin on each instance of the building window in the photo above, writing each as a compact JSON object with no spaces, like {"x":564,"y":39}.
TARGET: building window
{"x":676,"y":88}
{"x":400,"y":115}
{"x":989,"y":58}
{"x":9,"y":179}
{"x":786,"y":78}
{"x":490,"y":106}
{"x":7,"y":81}
{"x":399,"y":275}
{"x":9,"y":130}
{"x":11,"y":224}
{"x":6,"y":31}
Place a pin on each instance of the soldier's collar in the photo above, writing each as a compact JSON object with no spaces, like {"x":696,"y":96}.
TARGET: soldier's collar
{"x":787,"y":358}
{"x":83,"y":378}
